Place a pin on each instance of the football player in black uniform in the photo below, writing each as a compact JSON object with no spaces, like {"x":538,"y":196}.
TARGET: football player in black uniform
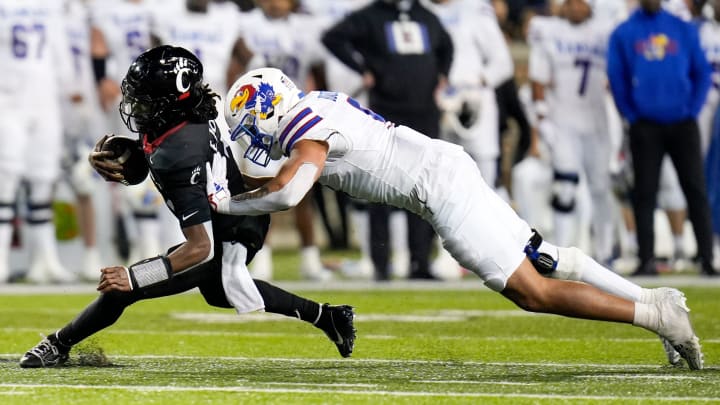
{"x":166,"y":102}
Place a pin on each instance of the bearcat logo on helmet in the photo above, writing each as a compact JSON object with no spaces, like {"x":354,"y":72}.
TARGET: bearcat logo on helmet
{"x":249,"y":98}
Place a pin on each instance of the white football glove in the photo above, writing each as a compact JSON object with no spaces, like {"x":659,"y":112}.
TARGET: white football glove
{"x":217,"y":190}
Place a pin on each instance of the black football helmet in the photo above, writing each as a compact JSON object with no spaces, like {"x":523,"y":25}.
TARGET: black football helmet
{"x":162,"y":88}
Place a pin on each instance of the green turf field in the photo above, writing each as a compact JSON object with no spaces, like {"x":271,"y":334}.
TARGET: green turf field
{"x":427,"y":346}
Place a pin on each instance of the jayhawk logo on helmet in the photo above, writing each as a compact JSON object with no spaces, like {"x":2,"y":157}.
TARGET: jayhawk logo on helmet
{"x":260,"y":101}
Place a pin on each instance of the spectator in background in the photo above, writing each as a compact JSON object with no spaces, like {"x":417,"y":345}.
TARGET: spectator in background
{"x":569,"y":87}
{"x":37,"y":68}
{"x":405,"y":54}
{"x":659,"y":78}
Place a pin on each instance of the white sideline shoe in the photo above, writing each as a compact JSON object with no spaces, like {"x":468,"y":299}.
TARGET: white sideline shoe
{"x":676,"y":328}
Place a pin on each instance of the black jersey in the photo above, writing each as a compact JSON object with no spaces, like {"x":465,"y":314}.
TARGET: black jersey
{"x":178,"y":161}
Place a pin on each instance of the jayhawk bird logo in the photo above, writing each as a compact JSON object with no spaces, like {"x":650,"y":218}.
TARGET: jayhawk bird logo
{"x":657,"y":46}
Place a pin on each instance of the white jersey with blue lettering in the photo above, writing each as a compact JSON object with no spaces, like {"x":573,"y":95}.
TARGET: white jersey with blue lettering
{"x":290,"y":44}
{"x":209,"y":35}
{"x":375,"y":160}
{"x":34,"y":56}
{"x":35,"y":61}
{"x":570,"y":60}
{"x":126,"y":28}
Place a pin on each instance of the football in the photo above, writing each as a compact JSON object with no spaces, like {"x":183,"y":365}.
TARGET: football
{"x":128,"y":152}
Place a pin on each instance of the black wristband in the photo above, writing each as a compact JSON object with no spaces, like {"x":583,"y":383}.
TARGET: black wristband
{"x":98,"y":67}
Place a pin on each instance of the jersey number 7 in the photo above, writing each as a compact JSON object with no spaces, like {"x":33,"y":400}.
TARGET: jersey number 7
{"x":584,"y":64}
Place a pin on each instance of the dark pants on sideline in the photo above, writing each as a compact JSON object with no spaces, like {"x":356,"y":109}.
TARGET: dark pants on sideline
{"x":420,"y":237}
{"x":649,"y":141}
{"x":420,"y":233}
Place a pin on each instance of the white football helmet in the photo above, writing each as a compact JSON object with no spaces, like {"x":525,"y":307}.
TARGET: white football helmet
{"x":254,"y":106}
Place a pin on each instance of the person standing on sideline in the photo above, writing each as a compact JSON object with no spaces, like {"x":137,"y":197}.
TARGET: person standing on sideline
{"x":659,"y":77}
{"x":404,"y":56}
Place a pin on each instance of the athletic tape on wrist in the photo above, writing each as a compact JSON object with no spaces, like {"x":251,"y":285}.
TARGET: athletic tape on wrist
{"x":149,"y":272}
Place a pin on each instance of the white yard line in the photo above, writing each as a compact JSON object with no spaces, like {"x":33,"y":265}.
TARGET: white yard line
{"x":183,"y":332}
{"x":247,"y":389}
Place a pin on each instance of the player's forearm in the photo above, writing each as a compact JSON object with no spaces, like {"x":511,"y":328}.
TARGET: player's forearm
{"x":198,"y":249}
{"x":275,"y":195}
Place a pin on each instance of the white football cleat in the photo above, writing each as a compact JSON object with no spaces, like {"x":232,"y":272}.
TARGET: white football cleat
{"x":676,"y":328}
{"x":653,"y":296}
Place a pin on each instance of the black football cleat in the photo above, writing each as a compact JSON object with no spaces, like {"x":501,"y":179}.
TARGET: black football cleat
{"x":47,"y":353}
{"x":337,"y":323}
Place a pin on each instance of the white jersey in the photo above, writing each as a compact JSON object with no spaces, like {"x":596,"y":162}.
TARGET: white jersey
{"x":34,"y":55}
{"x":126,"y":27}
{"x":338,"y":75}
{"x":615,"y":11}
{"x":481,"y":52}
{"x":570,"y":60}
{"x":710,"y":42}
{"x":375,"y":160}
{"x":291,"y":44}
{"x":210,"y":36}
{"x":678,"y":8}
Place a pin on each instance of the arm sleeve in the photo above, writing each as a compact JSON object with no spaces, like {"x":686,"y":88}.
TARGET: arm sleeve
{"x":619,"y":76}
{"x":539,"y":67}
{"x":341,"y":40}
{"x":700,"y":72}
{"x":287,"y":197}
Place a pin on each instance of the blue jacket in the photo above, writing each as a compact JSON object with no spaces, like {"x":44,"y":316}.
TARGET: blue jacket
{"x":657,"y":69}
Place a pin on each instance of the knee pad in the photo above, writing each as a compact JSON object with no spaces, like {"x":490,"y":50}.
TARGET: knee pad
{"x":564,"y":190}
{"x":552,"y":261}
{"x":40,"y":196}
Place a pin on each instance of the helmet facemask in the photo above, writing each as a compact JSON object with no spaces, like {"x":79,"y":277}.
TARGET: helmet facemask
{"x":263,"y":146}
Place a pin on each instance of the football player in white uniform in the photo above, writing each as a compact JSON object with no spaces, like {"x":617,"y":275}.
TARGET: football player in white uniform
{"x":281,"y":38}
{"x":330,"y":138}
{"x":121,"y":30}
{"x":80,"y":126}
{"x":567,"y":65}
{"x":710,"y":41}
{"x":35,"y":61}
{"x":481,"y":62}
{"x":208,"y":32}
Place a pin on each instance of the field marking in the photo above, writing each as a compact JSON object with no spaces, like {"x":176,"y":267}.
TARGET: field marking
{"x":471,"y":382}
{"x":245,"y":389}
{"x":442,"y":315}
{"x":112,"y":357}
{"x":640,"y":377}
{"x":115,"y":331}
